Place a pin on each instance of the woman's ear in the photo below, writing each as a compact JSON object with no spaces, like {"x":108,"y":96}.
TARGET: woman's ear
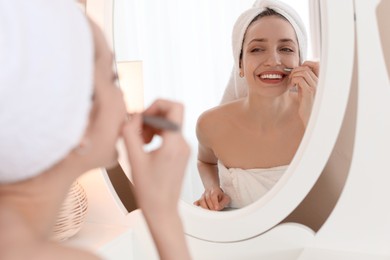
{"x":241,"y":71}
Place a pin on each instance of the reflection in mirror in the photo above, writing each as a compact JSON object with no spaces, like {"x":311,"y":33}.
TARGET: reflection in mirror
{"x":247,"y":143}
{"x":187,"y":57}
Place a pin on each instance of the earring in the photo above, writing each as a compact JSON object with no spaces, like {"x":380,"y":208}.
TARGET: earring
{"x":241,"y":74}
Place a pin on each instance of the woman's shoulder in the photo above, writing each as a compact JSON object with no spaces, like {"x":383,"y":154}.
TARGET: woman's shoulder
{"x":17,"y":241}
{"x":220,"y":112}
{"x":14,"y":236}
{"x":217,"y":118}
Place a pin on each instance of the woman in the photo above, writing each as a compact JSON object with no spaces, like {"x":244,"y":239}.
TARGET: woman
{"x":61,"y":115}
{"x":246,"y":144}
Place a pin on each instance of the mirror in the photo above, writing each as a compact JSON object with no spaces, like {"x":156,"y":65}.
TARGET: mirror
{"x":186,"y":56}
{"x":158,"y":46}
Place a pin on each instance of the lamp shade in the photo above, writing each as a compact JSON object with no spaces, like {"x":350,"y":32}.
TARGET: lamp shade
{"x":130,"y":76}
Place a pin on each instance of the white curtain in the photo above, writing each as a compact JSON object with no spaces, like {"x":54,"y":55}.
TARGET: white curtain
{"x":185,"y":46}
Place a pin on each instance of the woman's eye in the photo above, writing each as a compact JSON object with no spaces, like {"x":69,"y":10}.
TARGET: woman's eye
{"x":287,"y":50}
{"x":256,"y":50}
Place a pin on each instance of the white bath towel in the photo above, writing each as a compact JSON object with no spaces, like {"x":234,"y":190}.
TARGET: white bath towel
{"x":237,"y":86}
{"x":46,"y":73}
{"x":247,"y":186}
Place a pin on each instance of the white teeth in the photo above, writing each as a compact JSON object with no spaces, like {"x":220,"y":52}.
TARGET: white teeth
{"x":271,"y":76}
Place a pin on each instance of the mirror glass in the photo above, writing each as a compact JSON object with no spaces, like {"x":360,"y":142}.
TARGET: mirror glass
{"x":186,"y":55}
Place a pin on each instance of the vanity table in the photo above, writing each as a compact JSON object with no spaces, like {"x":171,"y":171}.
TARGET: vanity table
{"x":347,"y":139}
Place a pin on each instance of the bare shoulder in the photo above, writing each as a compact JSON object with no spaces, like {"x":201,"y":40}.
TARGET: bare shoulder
{"x":17,"y":242}
{"x":216,"y":120}
{"x":218,"y":115}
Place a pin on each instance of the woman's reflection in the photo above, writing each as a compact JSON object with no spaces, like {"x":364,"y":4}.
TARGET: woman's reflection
{"x":247,"y":143}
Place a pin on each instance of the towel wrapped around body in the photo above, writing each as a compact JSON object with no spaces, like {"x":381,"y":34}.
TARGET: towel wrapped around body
{"x":245,"y":186}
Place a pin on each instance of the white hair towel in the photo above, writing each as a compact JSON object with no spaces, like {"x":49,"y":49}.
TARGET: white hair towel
{"x":46,"y":78}
{"x":237,"y":87}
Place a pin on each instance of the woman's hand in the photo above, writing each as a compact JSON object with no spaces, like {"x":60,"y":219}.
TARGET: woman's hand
{"x":305,"y":78}
{"x":158,"y":174}
{"x":213,"y":199}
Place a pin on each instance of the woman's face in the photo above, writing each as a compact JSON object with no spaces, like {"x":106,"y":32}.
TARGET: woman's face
{"x":108,"y":112}
{"x":270,"y":45}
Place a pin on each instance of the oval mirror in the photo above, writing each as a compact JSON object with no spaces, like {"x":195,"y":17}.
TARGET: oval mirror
{"x":184,"y":52}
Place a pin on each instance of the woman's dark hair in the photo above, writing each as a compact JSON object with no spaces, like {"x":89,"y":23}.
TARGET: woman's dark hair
{"x":267,"y":12}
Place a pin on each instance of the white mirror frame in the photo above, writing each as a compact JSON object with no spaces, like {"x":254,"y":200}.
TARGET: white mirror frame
{"x":323,"y":128}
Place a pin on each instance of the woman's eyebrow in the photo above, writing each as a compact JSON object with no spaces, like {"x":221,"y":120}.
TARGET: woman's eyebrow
{"x":258,"y":40}
{"x":284,"y":40}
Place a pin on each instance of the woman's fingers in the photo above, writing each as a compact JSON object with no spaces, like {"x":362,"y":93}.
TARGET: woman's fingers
{"x":214,"y":199}
{"x":167,"y":109}
{"x":305,"y":83}
{"x":305,"y":79}
{"x":171,"y":111}
{"x":305,"y":91}
{"x":211,"y":200}
{"x":313,"y":65}
{"x":309,"y":70}
{"x":225,"y":201}
{"x":133,"y":139}
{"x":306,"y":73}
{"x":203,"y":203}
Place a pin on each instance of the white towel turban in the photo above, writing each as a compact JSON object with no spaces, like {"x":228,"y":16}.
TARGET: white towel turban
{"x":46,"y":73}
{"x":237,"y":86}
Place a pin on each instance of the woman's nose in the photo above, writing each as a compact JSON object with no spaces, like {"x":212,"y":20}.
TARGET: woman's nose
{"x":273,"y":59}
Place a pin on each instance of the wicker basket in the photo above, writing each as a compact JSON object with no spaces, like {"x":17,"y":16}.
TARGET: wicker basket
{"x":72,"y":213}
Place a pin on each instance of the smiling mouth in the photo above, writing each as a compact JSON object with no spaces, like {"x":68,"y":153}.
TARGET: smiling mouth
{"x":272,"y":76}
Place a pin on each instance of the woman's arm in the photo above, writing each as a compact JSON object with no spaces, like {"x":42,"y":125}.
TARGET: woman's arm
{"x":158,"y":177}
{"x":213,"y":197}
